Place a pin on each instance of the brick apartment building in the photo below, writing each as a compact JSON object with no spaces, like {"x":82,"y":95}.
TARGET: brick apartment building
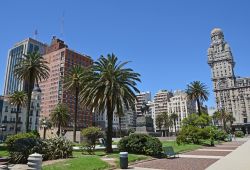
{"x":61,"y":59}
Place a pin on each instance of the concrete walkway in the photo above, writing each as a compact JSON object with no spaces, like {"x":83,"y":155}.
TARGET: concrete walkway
{"x":236,"y":160}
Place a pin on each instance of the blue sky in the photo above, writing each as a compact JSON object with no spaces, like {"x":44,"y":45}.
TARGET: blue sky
{"x":165,"y":40}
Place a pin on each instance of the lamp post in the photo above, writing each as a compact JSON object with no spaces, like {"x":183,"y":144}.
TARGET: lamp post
{"x":44,"y":125}
{"x":3,"y":128}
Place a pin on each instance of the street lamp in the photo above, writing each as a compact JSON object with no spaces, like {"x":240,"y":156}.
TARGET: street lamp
{"x":44,"y":125}
{"x":2,"y":128}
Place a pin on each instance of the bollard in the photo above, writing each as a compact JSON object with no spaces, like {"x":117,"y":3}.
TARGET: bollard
{"x":123,"y":160}
{"x":35,"y":161}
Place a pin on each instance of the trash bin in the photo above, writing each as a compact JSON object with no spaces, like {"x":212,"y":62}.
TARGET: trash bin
{"x":123,"y":160}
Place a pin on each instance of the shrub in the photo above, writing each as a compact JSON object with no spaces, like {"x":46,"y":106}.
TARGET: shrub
{"x":220,"y":135}
{"x":13,"y":138}
{"x":190,"y":134}
{"x":141,"y":144}
{"x":56,"y":148}
{"x":23,"y":147}
{"x":91,"y":134}
{"x":239,"y":134}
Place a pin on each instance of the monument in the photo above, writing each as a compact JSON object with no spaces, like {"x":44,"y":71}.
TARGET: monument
{"x":144,"y":122}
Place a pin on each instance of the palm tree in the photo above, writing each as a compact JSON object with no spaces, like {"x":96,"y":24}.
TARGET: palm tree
{"x":59,"y":116}
{"x":73,"y":83}
{"x":18,"y":99}
{"x":224,"y":117}
{"x":31,"y":69}
{"x":174,"y":117}
{"x":110,"y":87}
{"x":197,"y":91}
{"x":166,"y":121}
{"x":159,"y":122}
{"x":45,"y":124}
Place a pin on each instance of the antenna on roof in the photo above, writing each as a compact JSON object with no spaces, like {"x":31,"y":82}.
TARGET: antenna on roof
{"x":35,"y":34}
{"x":62,"y":24}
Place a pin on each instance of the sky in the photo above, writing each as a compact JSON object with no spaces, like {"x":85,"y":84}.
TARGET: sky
{"x":166,"y":41}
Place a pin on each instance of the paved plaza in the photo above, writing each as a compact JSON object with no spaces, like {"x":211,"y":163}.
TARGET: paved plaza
{"x":199,"y":159}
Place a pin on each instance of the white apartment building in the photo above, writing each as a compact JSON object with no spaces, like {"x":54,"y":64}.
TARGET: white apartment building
{"x":172,"y":102}
{"x":181,"y":105}
{"x":8,"y":115}
{"x":127,"y":120}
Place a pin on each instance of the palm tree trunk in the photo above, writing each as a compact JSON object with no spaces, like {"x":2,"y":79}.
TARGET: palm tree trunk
{"x":120,"y":127}
{"x":59,"y":129}
{"x":175,"y":127}
{"x":75,"y":116}
{"x":30,"y":88}
{"x":199,"y":107}
{"x":110,"y":128}
{"x":18,"y":106}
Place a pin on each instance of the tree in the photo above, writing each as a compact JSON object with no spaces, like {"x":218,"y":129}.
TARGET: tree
{"x":166,"y":121}
{"x":45,"y":124}
{"x":73,"y":83}
{"x":224,"y":117}
{"x":91,"y":134}
{"x":59,"y":117}
{"x":174,"y":117}
{"x":198,"y":92}
{"x":110,"y":87}
{"x":31,"y":69}
{"x":18,"y":99}
{"x":159,"y":121}
{"x":197,"y":121}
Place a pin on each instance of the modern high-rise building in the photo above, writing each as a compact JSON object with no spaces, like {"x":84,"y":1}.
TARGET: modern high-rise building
{"x":232,"y":93}
{"x":60,"y":60}
{"x":14,"y":56}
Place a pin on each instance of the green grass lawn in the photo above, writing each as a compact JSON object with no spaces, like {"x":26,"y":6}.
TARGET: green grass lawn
{"x":180,"y":148}
{"x":91,"y":162}
{"x":131,"y":157}
{"x":3,"y":151}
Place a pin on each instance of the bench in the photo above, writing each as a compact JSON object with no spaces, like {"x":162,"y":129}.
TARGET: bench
{"x":169,"y":152}
{"x":4,"y":163}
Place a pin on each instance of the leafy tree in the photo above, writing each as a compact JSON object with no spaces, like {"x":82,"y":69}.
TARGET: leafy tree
{"x":73,"y":83}
{"x":31,"y":69}
{"x":198,"y":92}
{"x":110,"y":87}
{"x":195,"y":120}
{"x":18,"y":99}
{"x":174,"y":117}
{"x":91,"y":134}
{"x":60,"y":117}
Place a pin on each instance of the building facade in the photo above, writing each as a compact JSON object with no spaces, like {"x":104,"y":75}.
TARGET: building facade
{"x":232,"y":93}
{"x":8,"y":114}
{"x":60,"y":60}
{"x":142,"y":97}
{"x":14,"y":56}
{"x":181,"y":105}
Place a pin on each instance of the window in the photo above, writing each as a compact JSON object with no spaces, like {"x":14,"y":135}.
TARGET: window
{"x":6,"y":108}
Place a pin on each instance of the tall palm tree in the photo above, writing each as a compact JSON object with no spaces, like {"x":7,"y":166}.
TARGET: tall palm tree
{"x":110,"y":87}
{"x":173,"y":118}
{"x":166,"y":121}
{"x":159,"y":122}
{"x":18,"y":99}
{"x":59,"y":117}
{"x":198,"y":92}
{"x":73,"y":83}
{"x":31,"y":69}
